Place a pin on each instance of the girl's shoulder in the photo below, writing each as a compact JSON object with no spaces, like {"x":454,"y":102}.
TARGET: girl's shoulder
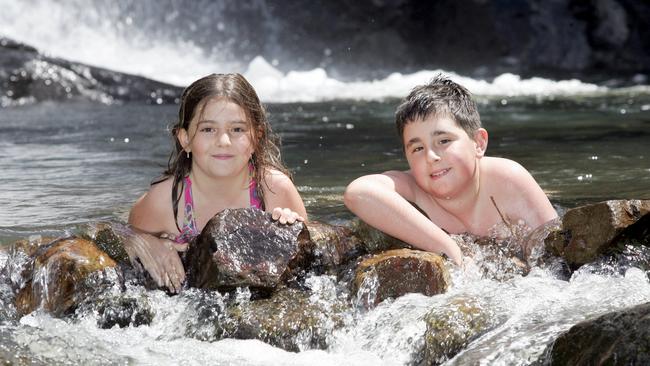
{"x":154,"y":208}
{"x":274,"y":177}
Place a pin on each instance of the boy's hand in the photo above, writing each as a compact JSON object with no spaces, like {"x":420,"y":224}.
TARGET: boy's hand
{"x":286,"y":215}
{"x":159,"y":257}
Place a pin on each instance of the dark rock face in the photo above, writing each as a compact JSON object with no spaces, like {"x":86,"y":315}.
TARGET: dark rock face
{"x":617,"y":338}
{"x":394,"y":273}
{"x":29,"y":76}
{"x":245,"y":248}
{"x":592,"y":230}
{"x":62,"y":275}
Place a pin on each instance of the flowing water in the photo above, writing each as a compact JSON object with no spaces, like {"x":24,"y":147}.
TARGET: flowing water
{"x":66,"y":164}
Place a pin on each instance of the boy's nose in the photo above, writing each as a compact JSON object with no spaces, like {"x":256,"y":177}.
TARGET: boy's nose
{"x":432,"y":156}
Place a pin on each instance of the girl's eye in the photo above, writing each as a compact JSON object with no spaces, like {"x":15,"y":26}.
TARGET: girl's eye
{"x":238,"y":129}
{"x":207,"y":129}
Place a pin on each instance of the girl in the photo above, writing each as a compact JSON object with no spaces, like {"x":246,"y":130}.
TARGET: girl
{"x":225,"y":156}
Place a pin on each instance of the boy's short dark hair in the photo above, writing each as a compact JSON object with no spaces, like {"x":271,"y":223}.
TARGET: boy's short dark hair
{"x":441,"y":97}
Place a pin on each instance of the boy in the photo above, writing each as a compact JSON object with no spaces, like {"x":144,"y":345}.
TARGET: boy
{"x":450,"y":179}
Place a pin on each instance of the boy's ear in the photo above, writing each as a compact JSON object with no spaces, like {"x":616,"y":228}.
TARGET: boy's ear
{"x":480,"y":142}
{"x":183,"y":137}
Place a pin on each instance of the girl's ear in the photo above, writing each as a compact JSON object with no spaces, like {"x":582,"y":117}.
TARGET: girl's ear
{"x":480,"y":142}
{"x":183,"y":138}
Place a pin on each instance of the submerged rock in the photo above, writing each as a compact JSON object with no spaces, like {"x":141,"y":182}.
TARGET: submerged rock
{"x":245,"y":248}
{"x":617,"y":338}
{"x":290,"y":319}
{"x":394,"y":273}
{"x":590,"y":231}
{"x":123,"y":311}
{"x":60,"y":276}
{"x":450,"y":328}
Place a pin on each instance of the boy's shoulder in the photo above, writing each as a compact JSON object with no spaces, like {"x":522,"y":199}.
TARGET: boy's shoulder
{"x":501,"y":168}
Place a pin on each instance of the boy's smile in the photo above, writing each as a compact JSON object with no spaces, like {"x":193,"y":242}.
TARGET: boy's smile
{"x":442,"y":157}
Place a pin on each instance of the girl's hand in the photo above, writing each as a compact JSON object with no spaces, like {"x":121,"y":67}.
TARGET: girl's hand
{"x":286,"y":215}
{"x":159,"y":257}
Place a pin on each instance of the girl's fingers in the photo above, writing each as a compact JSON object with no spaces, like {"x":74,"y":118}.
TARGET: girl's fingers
{"x":277,"y":213}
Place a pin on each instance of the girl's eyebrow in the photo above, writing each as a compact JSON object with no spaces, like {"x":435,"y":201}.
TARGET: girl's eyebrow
{"x":238,"y":121}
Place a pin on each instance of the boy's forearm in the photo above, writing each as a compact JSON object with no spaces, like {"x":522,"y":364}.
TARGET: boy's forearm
{"x":389,"y":212}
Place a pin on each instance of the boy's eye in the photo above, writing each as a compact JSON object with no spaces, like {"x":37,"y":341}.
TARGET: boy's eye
{"x":417,"y":148}
{"x":445,"y":141}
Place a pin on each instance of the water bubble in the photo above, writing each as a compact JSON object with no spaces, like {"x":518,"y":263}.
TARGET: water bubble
{"x":593,"y":157}
{"x":645,"y":107}
{"x":327,"y":52}
{"x":623,"y":111}
{"x":306,"y":161}
{"x":580,"y":178}
{"x":325,"y":119}
{"x":349,"y":126}
{"x":126,"y":140}
{"x":159,"y":101}
{"x":504,"y":102}
{"x":112,"y":139}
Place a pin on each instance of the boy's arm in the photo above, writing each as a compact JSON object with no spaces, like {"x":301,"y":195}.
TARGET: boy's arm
{"x":382,"y":201}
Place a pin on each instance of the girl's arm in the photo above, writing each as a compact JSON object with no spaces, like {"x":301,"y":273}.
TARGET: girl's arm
{"x":382,"y":201}
{"x":282,"y":199}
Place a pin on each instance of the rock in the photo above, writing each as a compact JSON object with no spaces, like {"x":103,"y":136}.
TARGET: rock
{"x":245,"y":248}
{"x":19,"y":259}
{"x":288,"y":320}
{"x":397,"y":272}
{"x":109,"y":237}
{"x":123,"y":311}
{"x":450,"y":328}
{"x":617,"y":338}
{"x":333,"y":245}
{"x":374,"y":240}
{"x":592,"y":230}
{"x":26,"y":75}
{"x":60,"y":276}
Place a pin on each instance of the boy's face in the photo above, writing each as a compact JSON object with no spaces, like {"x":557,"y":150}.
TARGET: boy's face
{"x":442,"y":157}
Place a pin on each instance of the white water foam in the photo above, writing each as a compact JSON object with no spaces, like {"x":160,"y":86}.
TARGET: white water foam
{"x":60,"y":30}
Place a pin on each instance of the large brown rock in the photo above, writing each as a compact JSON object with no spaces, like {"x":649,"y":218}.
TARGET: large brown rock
{"x":58,"y":277}
{"x":590,"y":231}
{"x":245,"y":248}
{"x":394,"y":273}
{"x":617,"y":338}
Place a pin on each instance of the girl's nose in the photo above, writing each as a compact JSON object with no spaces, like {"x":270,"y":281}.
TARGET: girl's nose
{"x":223,"y":138}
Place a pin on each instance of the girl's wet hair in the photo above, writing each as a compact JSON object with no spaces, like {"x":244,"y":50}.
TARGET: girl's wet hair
{"x":439,"y":97}
{"x":235,"y":88}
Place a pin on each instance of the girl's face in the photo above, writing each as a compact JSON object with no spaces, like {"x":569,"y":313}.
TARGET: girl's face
{"x":220,"y":139}
{"x":442,"y":157}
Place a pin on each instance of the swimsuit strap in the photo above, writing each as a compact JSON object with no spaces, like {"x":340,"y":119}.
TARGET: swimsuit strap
{"x":252,"y":189}
{"x":189,"y":229}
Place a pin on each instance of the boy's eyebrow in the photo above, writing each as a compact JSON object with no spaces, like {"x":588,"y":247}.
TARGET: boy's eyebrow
{"x":417,"y":139}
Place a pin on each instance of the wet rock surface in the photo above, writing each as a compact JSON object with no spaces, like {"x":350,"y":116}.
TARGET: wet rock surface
{"x":590,"y":231}
{"x":245,"y":248}
{"x":289,"y":319}
{"x":26,"y":75}
{"x":397,"y":272}
{"x":452,"y":327}
{"x":62,"y":275}
{"x":616,"y":338}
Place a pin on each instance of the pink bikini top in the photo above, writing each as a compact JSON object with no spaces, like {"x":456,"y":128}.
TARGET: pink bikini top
{"x":189,"y":230}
